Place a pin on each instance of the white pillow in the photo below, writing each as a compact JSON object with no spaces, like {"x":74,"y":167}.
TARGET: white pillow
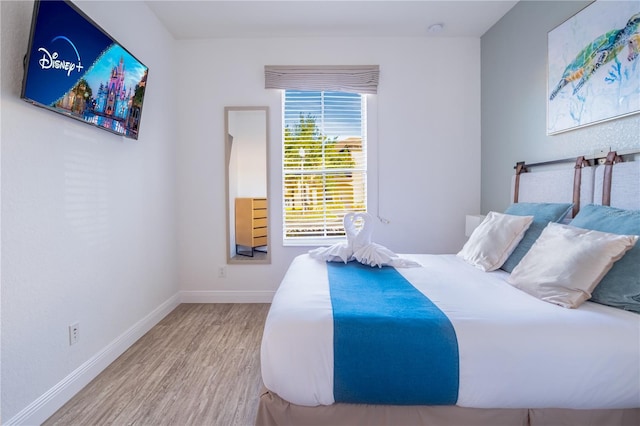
{"x":491,"y":243}
{"x":566,"y":263}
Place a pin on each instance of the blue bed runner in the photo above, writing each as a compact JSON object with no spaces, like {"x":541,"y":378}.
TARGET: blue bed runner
{"x":391,"y":344}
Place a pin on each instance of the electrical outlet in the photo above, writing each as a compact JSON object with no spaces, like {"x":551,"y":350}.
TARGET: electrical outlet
{"x":74,"y":333}
{"x":222,"y":272}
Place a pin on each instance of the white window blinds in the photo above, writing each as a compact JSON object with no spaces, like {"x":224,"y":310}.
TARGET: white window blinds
{"x":324,"y":163}
{"x":361,"y":79}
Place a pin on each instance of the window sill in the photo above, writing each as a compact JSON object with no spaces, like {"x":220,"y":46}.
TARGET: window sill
{"x":312,"y":242}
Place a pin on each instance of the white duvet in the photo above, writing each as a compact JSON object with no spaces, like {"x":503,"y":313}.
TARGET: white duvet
{"x":515,"y":350}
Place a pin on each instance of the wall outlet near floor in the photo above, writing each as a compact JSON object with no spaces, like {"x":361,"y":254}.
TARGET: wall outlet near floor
{"x":74,"y":333}
{"x":222,"y":272}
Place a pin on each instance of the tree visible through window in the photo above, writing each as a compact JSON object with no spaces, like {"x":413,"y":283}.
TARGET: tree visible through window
{"x":324,"y":162}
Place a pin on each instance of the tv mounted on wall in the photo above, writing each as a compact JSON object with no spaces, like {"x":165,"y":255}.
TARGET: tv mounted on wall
{"x":75,"y":68}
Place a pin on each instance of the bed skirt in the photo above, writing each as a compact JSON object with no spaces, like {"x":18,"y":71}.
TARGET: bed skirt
{"x":273,"y":411}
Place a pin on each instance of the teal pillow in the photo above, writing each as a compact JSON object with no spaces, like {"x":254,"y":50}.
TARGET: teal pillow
{"x":542,"y":213}
{"x":620,"y":288}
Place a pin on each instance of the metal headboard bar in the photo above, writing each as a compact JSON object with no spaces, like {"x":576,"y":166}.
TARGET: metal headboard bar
{"x":612,"y":158}
{"x":573,"y":159}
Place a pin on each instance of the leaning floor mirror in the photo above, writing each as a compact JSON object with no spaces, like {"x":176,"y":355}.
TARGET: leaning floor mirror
{"x":247,"y":182}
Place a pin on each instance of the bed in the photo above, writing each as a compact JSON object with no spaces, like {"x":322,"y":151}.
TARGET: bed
{"x":500,"y":352}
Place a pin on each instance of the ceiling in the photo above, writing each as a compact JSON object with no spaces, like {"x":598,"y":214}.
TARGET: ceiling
{"x":205,"y":19}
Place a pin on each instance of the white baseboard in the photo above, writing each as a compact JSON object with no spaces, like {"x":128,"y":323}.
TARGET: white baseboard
{"x":48,"y":403}
{"x":226,"y":296}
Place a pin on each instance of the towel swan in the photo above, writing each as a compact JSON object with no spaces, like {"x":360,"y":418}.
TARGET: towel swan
{"x":359,"y":246}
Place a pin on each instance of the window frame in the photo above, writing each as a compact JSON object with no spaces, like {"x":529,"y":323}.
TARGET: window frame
{"x":361,"y":169}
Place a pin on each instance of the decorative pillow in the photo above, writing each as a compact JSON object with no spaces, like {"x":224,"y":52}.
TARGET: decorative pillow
{"x":494,"y":239}
{"x":620,"y":288}
{"x":566,"y":263}
{"x":542,"y":213}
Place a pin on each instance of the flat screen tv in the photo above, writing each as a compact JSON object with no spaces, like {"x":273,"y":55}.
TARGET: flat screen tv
{"x":75,"y":68}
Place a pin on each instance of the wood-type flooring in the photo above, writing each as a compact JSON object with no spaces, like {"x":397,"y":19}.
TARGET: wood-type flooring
{"x":200,"y":365}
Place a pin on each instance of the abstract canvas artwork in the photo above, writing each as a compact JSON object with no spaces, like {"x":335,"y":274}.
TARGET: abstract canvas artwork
{"x":594,"y":66}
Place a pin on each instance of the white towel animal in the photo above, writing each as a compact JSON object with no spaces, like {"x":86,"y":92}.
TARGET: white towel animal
{"x":359,"y":246}
{"x":374,"y":254}
{"x":339,"y":252}
{"x":358,"y":237}
{"x":342,"y":251}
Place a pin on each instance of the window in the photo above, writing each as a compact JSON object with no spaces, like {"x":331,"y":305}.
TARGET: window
{"x":324,"y":163}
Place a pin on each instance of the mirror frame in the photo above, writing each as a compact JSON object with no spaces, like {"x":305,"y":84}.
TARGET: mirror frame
{"x":245,"y":260}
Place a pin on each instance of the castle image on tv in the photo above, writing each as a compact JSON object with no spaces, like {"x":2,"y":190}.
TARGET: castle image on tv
{"x":113,"y":105}
{"x":73,"y":67}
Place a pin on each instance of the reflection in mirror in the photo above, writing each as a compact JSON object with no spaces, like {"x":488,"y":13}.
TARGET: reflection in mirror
{"x":247,"y":180}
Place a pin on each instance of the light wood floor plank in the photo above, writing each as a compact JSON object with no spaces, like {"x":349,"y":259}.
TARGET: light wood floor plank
{"x":199,"y":366}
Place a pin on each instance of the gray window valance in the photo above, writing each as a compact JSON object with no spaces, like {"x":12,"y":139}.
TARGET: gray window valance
{"x":348,"y":78}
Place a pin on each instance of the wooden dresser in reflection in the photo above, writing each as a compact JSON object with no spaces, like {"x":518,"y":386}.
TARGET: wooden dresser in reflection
{"x":251,"y":224}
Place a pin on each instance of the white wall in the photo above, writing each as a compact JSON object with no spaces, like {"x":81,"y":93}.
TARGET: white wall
{"x":88,"y":221}
{"x":425,"y":119}
{"x":514,"y":88}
